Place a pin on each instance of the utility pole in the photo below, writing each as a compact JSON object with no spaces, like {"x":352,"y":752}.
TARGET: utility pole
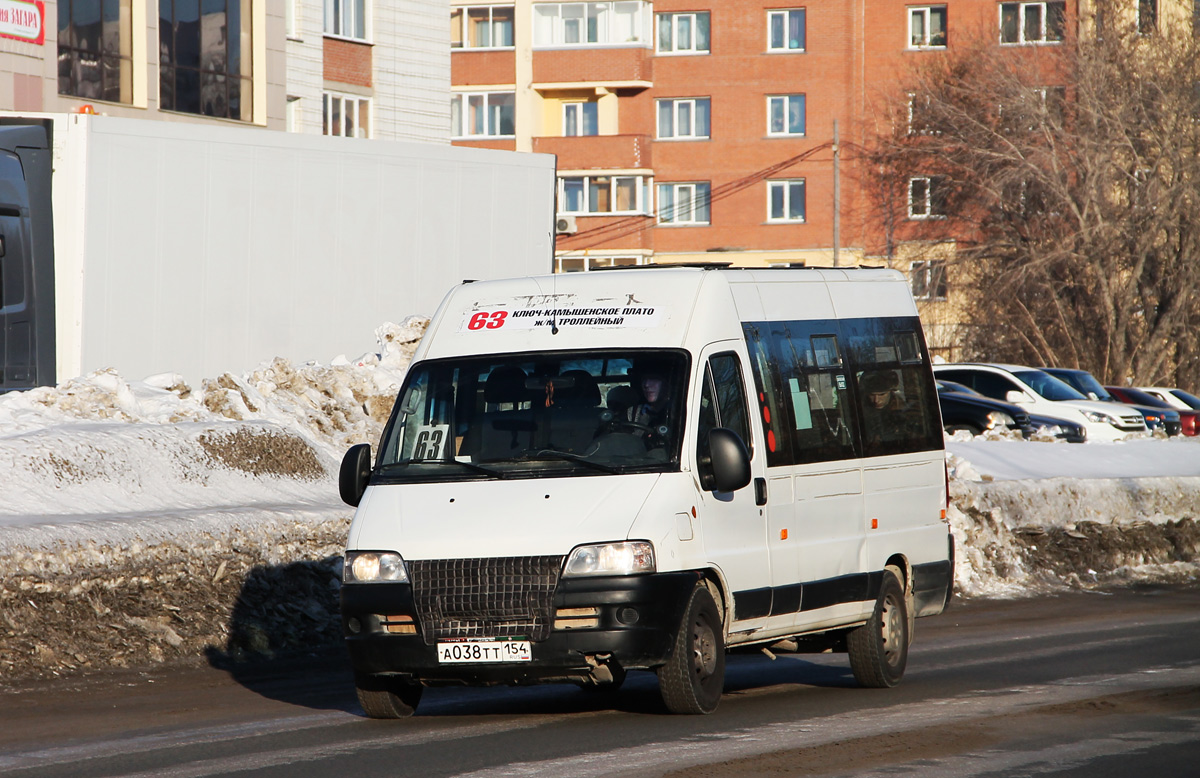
{"x":837,"y":198}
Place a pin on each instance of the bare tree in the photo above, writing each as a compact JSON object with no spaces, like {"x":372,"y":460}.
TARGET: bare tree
{"x":1071,"y":177}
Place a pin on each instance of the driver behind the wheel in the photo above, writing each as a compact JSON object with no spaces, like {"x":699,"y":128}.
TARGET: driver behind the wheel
{"x":654,"y":409}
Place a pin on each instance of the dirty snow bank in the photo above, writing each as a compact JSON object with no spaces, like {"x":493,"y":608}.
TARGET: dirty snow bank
{"x":1033,"y":517}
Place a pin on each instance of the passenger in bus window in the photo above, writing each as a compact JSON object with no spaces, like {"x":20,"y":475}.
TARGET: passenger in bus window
{"x":886,"y":417}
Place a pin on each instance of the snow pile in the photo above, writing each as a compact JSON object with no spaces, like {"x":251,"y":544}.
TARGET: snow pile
{"x":1031,"y":517}
{"x":90,"y":459}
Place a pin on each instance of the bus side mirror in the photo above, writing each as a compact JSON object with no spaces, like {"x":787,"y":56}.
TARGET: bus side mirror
{"x":730,"y":461}
{"x":355,"y":472}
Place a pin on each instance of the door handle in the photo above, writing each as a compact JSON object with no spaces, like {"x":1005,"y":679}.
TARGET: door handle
{"x":760,"y":491}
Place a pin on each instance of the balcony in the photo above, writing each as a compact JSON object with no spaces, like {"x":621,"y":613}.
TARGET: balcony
{"x":604,"y":66}
{"x":598,"y":152}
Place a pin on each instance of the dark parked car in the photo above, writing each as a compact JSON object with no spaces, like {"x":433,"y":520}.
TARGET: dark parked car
{"x":1083,"y":381}
{"x":965,"y":409}
{"x":1188,"y":420}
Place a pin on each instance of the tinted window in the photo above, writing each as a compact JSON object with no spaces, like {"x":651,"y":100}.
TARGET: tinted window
{"x":896,"y":394}
{"x":806,"y":372}
{"x":994,"y":385}
{"x":812,"y":376}
{"x":770,"y":396}
{"x":1141,"y":398}
{"x":1048,"y":386}
{"x":1188,"y":399}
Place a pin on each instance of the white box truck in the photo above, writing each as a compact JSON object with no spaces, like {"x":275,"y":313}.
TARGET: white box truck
{"x":641,"y":469}
{"x":201,"y":249}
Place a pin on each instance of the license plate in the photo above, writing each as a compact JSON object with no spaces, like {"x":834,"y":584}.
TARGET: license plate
{"x":482,"y":651}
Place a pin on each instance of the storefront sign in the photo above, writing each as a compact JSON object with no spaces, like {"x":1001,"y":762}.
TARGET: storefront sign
{"x":23,"y":20}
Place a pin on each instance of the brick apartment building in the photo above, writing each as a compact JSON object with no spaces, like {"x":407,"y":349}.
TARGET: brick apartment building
{"x":692,"y":131}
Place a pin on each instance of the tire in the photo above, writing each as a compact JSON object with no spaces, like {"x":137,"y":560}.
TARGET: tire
{"x":387,"y":698}
{"x":692,"y":679}
{"x":953,"y":428}
{"x":879,"y":649}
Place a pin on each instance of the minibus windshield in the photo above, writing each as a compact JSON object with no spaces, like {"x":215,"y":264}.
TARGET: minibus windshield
{"x":554,"y":413}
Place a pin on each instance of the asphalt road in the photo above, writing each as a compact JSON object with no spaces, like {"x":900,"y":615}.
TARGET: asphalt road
{"x":1086,"y":684}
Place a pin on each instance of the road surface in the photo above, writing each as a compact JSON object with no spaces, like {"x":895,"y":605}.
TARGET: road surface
{"x":1082,"y":684}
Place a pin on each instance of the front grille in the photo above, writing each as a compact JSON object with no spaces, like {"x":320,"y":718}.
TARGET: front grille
{"x":485,"y":598}
{"x":1132,"y":422}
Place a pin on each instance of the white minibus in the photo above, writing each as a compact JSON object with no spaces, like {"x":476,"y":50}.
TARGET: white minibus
{"x":644,"y":469}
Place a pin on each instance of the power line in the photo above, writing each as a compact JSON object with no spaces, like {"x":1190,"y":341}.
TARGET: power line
{"x":633,"y":224}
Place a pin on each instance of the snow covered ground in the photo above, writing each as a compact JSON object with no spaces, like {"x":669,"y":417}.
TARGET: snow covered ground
{"x":108,"y":465}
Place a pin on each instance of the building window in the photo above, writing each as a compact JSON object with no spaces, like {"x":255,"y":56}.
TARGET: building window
{"x":346,"y":115}
{"x":1147,"y":18}
{"x":601,"y":194}
{"x":346,"y":18}
{"x":785,"y":30}
{"x":785,"y":115}
{"x":576,"y":264}
{"x":94,"y":50}
{"x":683,"y":203}
{"x":587,"y":24}
{"x":683,"y":33}
{"x":928,"y":280}
{"x":1032,"y":22}
{"x":580,"y":119}
{"x":920,"y":115}
{"x":483,"y":115}
{"x":926,"y":198}
{"x":927,"y":27}
{"x":786,"y":200}
{"x":683,"y":118}
{"x":204,"y":65}
{"x":483,"y":27}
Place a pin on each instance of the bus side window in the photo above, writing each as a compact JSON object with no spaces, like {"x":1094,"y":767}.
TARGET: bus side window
{"x":896,"y":395}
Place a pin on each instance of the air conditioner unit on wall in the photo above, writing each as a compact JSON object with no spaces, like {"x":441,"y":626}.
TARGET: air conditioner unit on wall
{"x":565,"y":225}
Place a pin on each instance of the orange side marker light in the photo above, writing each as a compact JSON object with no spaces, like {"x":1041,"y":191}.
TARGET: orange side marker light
{"x":783,"y":534}
{"x":874,"y":523}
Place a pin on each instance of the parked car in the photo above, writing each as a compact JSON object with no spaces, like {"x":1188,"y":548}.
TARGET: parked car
{"x":963,"y":408}
{"x":1189,"y":420}
{"x":1176,"y":398}
{"x":1156,"y":417}
{"x":1043,"y":394}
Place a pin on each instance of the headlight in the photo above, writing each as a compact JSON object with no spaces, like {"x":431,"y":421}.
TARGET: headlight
{"x":374,"y":566}
{"x":999,"y":419}
{"x":1099,"y":418}
{"x":632,"y":557}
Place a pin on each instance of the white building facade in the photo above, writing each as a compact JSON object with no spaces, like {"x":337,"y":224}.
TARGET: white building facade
{"x":369,"y":69}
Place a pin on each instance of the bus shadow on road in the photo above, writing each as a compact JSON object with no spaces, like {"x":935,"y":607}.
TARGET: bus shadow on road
{"x":284,"y":636}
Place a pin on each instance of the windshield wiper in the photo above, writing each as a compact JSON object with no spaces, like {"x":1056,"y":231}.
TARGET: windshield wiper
{"x":488,"y":471}
{"x":549,"y":453}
